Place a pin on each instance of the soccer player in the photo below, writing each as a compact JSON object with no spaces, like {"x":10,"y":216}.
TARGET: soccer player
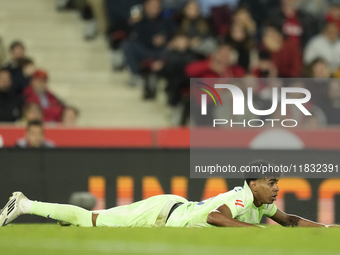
{"x":240,"y":207}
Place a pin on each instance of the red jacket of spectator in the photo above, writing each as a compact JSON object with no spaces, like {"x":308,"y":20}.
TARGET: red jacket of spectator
{"x":331,"y":19}
{"x":201,"y":69}
{"x":55,"y":108}
{"x":288,"y":60}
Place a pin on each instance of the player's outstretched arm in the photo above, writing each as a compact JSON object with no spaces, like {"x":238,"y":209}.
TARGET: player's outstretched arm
{"x":222,"y":217}
{"x":289,"y":220}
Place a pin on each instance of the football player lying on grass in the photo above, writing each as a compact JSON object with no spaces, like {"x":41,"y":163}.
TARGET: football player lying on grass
{"x":240,"y":207}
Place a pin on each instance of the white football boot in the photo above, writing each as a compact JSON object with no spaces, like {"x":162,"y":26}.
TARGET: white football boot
{"x":12,"y":210}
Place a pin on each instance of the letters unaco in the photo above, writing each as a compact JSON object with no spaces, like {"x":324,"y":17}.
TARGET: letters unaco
{"x":238,"y":105}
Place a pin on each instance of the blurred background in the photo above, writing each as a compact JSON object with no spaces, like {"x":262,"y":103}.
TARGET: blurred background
{"x":128,"y":63}
{"x":107,"y":82}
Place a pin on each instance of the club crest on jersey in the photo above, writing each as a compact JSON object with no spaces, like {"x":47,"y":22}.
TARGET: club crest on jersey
{"x":239,"y":203}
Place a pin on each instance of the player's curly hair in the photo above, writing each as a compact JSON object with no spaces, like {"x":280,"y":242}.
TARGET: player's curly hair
{"x":258,"y":164}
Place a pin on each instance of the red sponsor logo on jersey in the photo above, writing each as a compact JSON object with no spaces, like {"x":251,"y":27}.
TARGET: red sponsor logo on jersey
{"x":239,"y":202}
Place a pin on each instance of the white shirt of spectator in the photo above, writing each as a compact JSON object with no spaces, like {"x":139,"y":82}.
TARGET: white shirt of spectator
{"x":320,"y":46}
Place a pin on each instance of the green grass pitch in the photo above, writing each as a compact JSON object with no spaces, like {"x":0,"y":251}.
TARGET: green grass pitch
{"x":27,"y":239}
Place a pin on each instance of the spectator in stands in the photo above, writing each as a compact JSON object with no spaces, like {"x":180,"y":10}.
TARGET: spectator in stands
{"x":220,"y":19}
{"x":10,"y":103}
{"x":35,"y":137}
{"x":284,"y":53}
{"x":31,"y":111}
{"x":121,"y":14}
{"x":333,"y":13}
{"x":264,"y":68}
{"x":148,"y":39}
{"x":241,"y":41}
{"x":259,"y":9}
{"x":331,"y":106}
{"x":91,"y":11}
{"x":87,"y":15}
{"x":172,"y":7}
{"x":218,"y":65}
{"x":197,"y":29}
{"x":320,"y":71}
{"x":325,"y":45}
{"x":172,"y":67}
{"x":70,"y":116}
{"x":318,"y":68}
{"x":96,"y":21}
{"x":242,"y":16}
{"x":17,"y":51}
{"x":297,"y":26}
{"x":37,"y":92}
{"x":22,"y":75}
{"x":207,"y":5}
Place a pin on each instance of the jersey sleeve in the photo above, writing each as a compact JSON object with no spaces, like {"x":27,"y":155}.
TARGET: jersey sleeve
{"x":270,"y":210}
{"x":235,"y":204}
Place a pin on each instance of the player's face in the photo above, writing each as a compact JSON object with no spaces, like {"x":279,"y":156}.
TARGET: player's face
{"x":266,"y":190}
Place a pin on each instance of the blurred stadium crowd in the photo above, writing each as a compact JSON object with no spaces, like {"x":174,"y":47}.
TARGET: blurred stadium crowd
{"x":24,"y":94}
{"x":178,"y":39}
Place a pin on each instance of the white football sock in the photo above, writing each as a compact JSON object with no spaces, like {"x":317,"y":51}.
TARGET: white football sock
{"x":25,"y":205}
